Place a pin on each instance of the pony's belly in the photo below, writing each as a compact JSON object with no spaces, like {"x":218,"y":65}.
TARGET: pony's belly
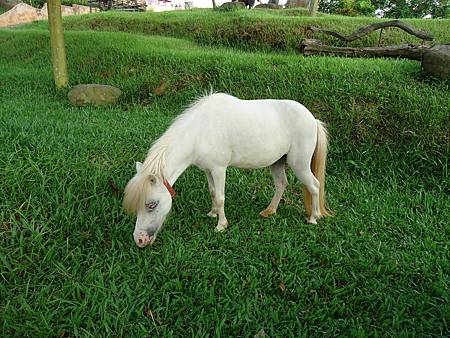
{"x":240,"y":157}
{"x":258,"y":158}
{"x":253,"y":165}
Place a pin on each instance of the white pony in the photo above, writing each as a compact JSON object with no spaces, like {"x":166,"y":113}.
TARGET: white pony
{"x":218,"y":131}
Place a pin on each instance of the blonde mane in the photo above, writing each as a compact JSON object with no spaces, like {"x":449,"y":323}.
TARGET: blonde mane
{"x":155,"y":162}
{"x":139,"y":186}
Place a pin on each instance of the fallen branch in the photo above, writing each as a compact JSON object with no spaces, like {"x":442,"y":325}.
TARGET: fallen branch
{"x":316,"y":47}
{"x":363,"y":31}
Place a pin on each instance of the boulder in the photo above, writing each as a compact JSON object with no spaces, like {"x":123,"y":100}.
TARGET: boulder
{"x":93,"y":94}
{"x":297,"y":3}
{"x":20,"y":13}
{"x":66,"y":10}
{"x":436,"y":61}
{"x":80,"y":9}
{"x":236,"y":4}
{"x":270,"y":6}
{"x":23,"y":13}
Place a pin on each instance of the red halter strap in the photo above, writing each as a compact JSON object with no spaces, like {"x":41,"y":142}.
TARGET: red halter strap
{"x":170,"y":189}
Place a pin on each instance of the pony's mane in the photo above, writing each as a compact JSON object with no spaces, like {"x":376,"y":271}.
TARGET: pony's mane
{"x":135,"y":192}
{"x":155,"y":162}
{"x":139,"y":186}
{"x":199,"y":100}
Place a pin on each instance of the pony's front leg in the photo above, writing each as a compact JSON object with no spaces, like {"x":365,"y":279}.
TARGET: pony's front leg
{"x":212,"y":192}
{"x":218,"y":176}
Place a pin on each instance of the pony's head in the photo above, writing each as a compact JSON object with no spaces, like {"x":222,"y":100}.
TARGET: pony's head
{"x":148,"y":198}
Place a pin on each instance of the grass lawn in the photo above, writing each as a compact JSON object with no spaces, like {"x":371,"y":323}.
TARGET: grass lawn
{"x":379,"y":267}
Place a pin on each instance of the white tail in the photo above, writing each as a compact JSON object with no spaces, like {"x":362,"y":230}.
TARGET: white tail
{"x":318,"y":165}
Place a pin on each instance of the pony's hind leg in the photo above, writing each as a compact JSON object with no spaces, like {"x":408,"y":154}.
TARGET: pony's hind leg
{"x":312,"y":184}
{"x":213,"y":212}
{"x":301,"y":167}
{"x":279,"y":179}
{"x":218,"y":175}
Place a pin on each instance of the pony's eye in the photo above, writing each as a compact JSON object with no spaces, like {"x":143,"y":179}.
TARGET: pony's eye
{"x":150,"y":206}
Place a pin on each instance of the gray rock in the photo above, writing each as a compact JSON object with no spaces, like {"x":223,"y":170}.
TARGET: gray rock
{"x":436,"y":61}
{"x":230,"y":5}
{"x":297,"y":3}
{"x":93,"y":94}
{"x":270,"y":6}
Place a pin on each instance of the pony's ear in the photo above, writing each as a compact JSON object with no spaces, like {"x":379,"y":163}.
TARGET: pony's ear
{"x":138,"y":166}
{"x":153,"y":179}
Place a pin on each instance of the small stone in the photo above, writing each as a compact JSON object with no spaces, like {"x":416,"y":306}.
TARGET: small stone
{"x":94,"y":94}
{"x":260,"y":334}
{"x":436,"y":61}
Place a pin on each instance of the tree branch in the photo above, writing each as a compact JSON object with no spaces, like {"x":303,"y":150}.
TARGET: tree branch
{"x":316,"y":47}
{"x":372,"y":27}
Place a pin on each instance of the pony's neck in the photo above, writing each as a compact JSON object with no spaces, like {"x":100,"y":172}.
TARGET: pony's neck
{"x":168,"y":158}
{"x":177,"y":162}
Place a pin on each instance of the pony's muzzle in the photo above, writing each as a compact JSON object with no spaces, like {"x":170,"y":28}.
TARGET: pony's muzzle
{"x":143,"y":239}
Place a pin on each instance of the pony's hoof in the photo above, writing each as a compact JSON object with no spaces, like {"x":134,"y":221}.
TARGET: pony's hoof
{"x":212,"y":214}
{"x":221,"y":228}
{"x":267,"y":212}
{"x":311,"y":220}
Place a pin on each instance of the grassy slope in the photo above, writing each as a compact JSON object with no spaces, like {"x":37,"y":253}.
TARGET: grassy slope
{"x":379,"y":266}
{"x":249,"y":30}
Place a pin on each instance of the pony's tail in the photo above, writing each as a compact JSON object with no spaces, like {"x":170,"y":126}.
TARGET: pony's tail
{"x":318,"y":165}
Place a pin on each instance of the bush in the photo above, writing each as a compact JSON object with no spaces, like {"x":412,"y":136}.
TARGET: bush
{"x":348,"y":7}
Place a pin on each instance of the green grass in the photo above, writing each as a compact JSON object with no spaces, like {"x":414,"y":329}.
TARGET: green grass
{"x":379,"y":267}
{"x":256,"y":30}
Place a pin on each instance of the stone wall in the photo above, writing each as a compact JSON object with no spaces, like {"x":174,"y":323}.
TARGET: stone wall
{"x":23,"y":13}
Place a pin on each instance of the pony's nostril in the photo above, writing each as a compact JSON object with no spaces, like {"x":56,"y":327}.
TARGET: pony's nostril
{"x":143,"y":239}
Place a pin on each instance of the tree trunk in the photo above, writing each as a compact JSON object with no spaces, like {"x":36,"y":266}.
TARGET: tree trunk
{"x":363,"y":31}
{"x":214,"y":4}
{"x":57,"y":44}
{"x":316,"y":47}
{"x":436,"y":61}
{"x":313,"y":5}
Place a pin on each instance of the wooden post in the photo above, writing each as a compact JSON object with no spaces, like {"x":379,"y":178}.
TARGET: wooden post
{"x":57,"y":44}
{"x":313,"y":6}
